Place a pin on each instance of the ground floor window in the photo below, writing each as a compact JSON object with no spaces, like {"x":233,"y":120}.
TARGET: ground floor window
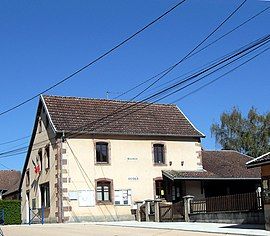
{"x":103,"y":191}
{"x":45,"y":194}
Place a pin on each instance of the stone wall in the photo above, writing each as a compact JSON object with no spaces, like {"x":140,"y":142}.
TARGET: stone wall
{"x":229,"y":217}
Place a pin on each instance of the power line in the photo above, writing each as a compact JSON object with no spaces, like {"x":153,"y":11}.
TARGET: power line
{"x":171,"y":87}
{"x":153,"y":77}
{"x":184,"y":58}
{"x":193,"y":50}
{"x":193,"y":54}
{"x":248,"y":49}
{"x":219,"y":77}
{"x":15,"y":140}
{"x":95,"y":60}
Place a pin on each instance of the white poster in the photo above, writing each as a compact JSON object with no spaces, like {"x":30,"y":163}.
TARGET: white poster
{"x":86,"y":198}
{"x":122,"y":197}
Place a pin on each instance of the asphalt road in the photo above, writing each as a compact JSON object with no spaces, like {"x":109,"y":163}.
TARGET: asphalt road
{"x":91,"y":229}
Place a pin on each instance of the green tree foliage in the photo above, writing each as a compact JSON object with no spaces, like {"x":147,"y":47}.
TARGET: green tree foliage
{"x":12,"y":211}
{"x":249,"y":135}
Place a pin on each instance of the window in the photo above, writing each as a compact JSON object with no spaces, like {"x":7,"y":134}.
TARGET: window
{"x":159,"y":188}
{"x":102,"y":152}
{"x":47,"y":157}
{"x":39,"y":125}
{"x":45,"y":194}
{"x":159,"y":154}
{"x":103,"y":191}
{"x":34,"y":206}
{"x":40,"y":158}
{"x":27,"y":174}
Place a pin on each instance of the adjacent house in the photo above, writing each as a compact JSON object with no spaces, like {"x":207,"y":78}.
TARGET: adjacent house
{"x":9,"y":184}
{"x":223,"y":173}
{"x":87,"y":161}
{"x":264,"y":163}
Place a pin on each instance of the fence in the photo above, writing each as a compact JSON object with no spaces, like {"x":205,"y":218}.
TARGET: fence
{"x":171,"y":212}
{"x":229,"y":203}
{"x":36,"y":215}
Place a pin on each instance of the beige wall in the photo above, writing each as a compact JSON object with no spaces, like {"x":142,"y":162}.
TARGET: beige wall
{"x":131,"y":167}
{"x":136,"y":175}
{"x":40,"y":142}
{"x":193,"y":188}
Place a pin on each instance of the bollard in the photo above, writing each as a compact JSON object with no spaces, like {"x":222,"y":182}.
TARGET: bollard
{"x":42,"y":215}
{"x":138,"y":210}
{"x":157,"y":212}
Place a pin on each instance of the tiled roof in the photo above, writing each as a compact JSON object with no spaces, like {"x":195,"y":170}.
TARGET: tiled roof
{"x":9,"y":179}
{"x":69,"y":114}
{"x":259,"y":161}
{"x":225,"y":164}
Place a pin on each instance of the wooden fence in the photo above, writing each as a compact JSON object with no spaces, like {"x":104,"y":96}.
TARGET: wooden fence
{"x":229,"y":203}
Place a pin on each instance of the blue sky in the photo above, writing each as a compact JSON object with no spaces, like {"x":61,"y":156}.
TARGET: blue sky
{"x":43,"y":41}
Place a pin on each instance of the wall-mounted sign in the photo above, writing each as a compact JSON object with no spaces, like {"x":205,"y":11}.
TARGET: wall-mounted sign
{"x":132,"y":158}
{"x":133,"y":178}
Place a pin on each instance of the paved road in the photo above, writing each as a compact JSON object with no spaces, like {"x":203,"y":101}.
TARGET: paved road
{"x":93,"y":230}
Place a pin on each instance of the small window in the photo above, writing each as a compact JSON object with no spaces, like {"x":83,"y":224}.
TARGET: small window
{"x":40,"y":159}
{"x":47,"y":157}
{"x":46,"y":122}
{"x":102,"y":152}
{"x":159,"y":154}
{"x":27,"y":176}
{"x":45,"y":194}
{"x":34,"y":205}
{"x":103,"y":191}
{"x":39,"y":125}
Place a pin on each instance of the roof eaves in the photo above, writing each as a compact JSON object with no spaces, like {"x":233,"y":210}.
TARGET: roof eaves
{"x":202,"y":135}
{"x":47,"y":112}
{"x":257,"y":160}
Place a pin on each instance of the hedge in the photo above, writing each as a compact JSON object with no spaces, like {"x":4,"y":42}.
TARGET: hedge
{"x":12,"y":211}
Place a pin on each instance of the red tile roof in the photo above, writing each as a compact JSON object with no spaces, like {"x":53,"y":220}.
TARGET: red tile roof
{"x":9,"y":179}
{"x":225,"y":164}
{"x":70,"y":114}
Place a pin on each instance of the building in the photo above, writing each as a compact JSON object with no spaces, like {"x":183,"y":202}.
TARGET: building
{"x":223,"y":173}
{"x":264,"y":163}
{"x":9,"y":184}
{"x":115,"y":159}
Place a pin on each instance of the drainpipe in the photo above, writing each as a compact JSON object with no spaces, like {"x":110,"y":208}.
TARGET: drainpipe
{"x":59,"y":180}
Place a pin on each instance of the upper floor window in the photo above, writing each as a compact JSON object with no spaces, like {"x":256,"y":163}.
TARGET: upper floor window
{"x":39,"y":125}
{"x":103,"y":191}
{"x":102,"y":154}
{"x":159,"y":156}
{"x":47,"y":157}
{"x":27,"y":174}
{"x":40,"y":159}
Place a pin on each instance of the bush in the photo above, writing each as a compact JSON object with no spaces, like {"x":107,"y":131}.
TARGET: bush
{"x":12,"y":211}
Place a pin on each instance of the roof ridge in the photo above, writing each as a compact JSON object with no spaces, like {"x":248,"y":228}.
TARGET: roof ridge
{"x":104,"y":99}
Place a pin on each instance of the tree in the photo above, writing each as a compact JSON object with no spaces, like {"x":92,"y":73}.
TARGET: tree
{"x":249,"y":135}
